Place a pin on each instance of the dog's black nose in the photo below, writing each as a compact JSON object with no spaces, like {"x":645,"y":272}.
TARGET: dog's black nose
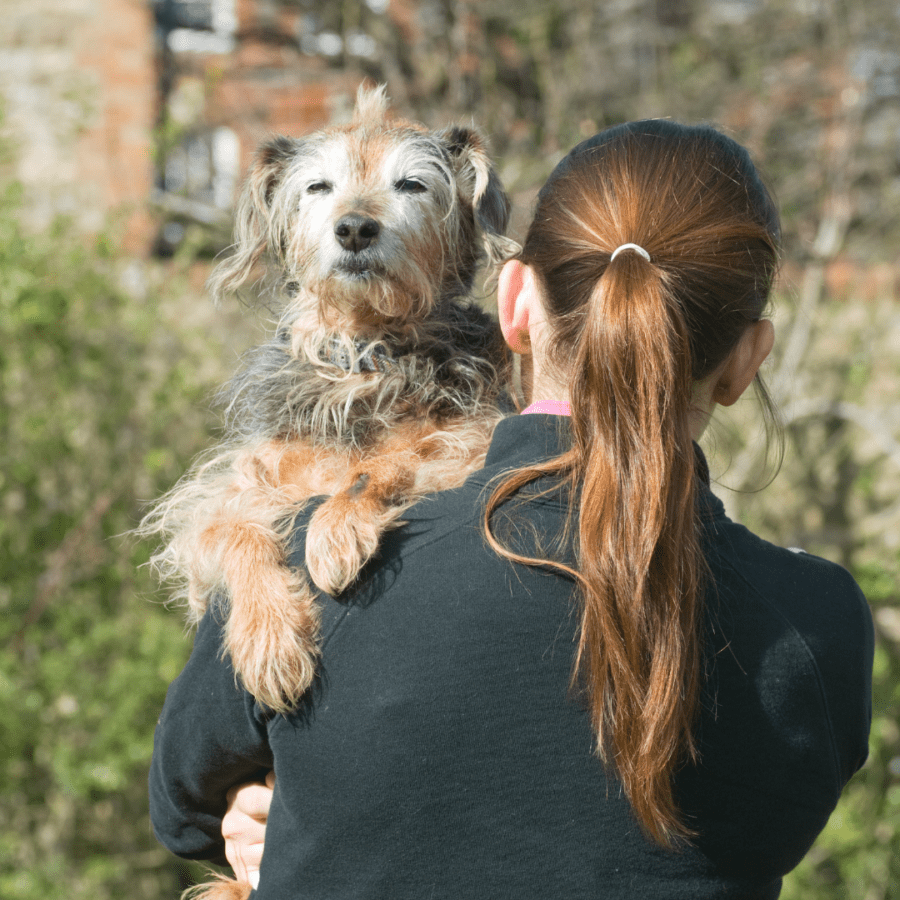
{"x":355,"y":233}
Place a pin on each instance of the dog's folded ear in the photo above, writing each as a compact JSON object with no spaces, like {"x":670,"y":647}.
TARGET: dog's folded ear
{"x":258,"y":227}
{"x":268,"y":169}
{"x":477,"y":176}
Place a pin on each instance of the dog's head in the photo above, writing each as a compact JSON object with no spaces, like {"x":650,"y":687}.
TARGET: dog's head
{"x":369,"y":224}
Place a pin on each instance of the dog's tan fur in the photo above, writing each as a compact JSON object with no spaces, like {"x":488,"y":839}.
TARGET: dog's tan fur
{"x":382,"y":383}
{"x":220,"y":888}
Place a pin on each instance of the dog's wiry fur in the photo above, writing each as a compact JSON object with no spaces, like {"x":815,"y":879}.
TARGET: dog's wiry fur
{"x":381,"y":383}
{"x":219,"y":888}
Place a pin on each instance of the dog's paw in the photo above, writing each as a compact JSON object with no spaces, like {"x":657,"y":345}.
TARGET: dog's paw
{"x":339,"y":541}
{"x":343,"y":535}
{"x":271,"y":638}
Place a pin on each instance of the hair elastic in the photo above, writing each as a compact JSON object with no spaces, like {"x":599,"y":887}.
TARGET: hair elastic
{"x":636,"y":247}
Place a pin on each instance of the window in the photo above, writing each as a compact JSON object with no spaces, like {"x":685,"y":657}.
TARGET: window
{"x":197,"y":26}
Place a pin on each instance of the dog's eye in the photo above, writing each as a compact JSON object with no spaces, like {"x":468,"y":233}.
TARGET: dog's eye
{"x":409,"y":186}
{"x":319,"y":187}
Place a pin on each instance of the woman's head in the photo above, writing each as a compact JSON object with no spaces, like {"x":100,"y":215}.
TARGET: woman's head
{"x":693,"y":200}
{"x":630,"y":339}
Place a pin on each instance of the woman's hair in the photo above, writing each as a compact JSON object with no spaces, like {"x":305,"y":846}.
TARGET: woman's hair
{"x":631,"y":337}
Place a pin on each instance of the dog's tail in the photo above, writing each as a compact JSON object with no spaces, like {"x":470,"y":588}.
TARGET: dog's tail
{"x":223,"y":888}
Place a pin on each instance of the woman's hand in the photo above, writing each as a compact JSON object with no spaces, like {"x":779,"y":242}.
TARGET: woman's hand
{"x":244,"y":827}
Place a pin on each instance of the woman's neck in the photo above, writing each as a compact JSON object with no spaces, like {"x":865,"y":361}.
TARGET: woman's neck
{"x":550,"y":397}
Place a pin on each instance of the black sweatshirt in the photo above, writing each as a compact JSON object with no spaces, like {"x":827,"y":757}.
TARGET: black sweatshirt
{"x":442,"y":755}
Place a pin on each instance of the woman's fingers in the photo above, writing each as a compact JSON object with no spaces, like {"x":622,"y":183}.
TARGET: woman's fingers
{"x":244,"y":827}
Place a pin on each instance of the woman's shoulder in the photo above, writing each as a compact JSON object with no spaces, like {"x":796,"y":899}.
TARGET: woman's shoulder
{"x":799,"y":628}
{"x":820,"y":598}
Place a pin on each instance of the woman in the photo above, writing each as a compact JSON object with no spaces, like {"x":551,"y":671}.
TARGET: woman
{"x":573,"y":676}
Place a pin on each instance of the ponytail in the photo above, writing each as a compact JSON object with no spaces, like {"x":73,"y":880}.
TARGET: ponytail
{"x":639,"y":566}
{"x":639,"y":558}
{"x":632,"y":335}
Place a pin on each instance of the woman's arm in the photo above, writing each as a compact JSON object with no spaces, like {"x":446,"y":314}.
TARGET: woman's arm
{"x":211,"y":736}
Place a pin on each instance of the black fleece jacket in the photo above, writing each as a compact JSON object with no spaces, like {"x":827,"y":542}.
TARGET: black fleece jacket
{"x":442,"y":756}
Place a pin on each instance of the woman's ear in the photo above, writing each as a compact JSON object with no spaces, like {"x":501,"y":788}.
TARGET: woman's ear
{"x":741,"y":367}
{"x":516,"y":296}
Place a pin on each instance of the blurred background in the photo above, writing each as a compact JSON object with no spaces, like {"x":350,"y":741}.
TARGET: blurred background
{"x":126,"y":127}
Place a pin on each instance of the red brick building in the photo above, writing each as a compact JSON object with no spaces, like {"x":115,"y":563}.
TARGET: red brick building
{"x":232,"y":72}
{"x":146,"y":113}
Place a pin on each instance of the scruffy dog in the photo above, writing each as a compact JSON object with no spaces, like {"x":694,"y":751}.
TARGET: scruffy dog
{"x":381,"y":383}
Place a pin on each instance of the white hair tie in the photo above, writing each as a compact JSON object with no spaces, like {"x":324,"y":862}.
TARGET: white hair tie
{"x":636,"y":247}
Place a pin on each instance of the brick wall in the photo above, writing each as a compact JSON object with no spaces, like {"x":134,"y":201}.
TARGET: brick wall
{"x":77,"y":84}
{"x":80,"y":90}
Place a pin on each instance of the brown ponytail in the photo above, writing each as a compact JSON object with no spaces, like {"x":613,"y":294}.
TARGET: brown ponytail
{"x":631,"y":336}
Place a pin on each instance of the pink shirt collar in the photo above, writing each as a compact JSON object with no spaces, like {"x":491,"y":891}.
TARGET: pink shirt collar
{"x":549,"y":407}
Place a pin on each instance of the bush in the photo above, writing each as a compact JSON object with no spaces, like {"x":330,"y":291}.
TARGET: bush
{"x":99,"y":410}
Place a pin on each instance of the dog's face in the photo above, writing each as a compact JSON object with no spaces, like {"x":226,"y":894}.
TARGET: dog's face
{"x":370,"y":223}
{"x":373,"y":224}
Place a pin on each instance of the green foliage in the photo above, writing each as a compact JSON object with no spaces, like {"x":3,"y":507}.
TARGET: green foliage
{"x":99,"y":410}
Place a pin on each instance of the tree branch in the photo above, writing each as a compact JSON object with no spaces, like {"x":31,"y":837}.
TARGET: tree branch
{"x":870,"y":420}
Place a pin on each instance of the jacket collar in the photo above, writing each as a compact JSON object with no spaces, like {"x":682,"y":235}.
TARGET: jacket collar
{"x":526,"y":440}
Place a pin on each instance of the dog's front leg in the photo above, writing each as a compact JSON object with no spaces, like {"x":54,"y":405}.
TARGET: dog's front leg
{"x":272,"y":626}
{"x":272,"y":623}
{"x":345,"y":531}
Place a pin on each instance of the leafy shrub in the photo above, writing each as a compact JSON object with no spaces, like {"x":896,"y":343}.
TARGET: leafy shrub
{"x":100,"y":409}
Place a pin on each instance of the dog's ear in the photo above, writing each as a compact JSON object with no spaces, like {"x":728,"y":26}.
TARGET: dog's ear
{"x":255,"y":228}
{"x":489,"y":201}
{"x":268,"y":169}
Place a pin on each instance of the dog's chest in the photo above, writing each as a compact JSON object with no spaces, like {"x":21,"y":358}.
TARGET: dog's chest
{"x":279,"y":395}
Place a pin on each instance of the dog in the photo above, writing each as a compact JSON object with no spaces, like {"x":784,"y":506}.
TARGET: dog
{"x":381,"y":383}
